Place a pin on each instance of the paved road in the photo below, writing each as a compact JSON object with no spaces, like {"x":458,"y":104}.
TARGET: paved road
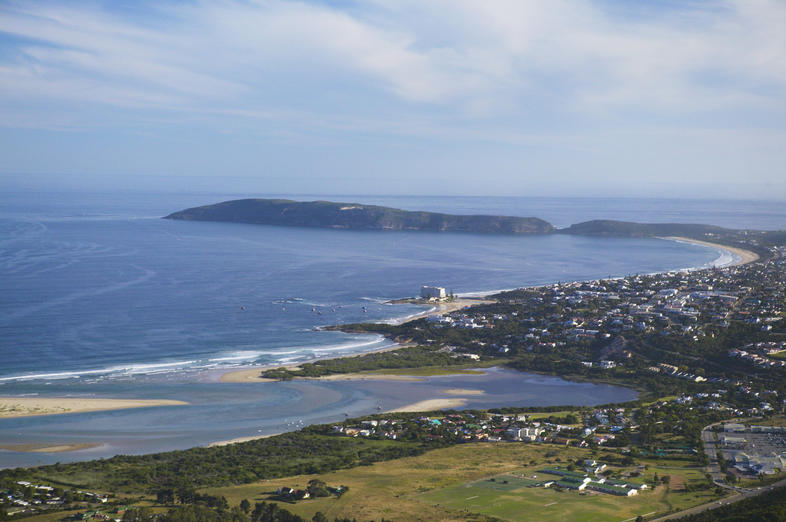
{"x":736,"y":497}
{"x":711,"y":449}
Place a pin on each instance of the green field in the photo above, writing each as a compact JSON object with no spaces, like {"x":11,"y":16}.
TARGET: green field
{"x":519,"y":500}
{"x":455,"y":483}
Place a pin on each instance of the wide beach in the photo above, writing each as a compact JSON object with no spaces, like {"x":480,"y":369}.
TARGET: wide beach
{"x":743,"y":256}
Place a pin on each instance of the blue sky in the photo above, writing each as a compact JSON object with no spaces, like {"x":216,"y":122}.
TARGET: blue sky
{"x":509,"y":97}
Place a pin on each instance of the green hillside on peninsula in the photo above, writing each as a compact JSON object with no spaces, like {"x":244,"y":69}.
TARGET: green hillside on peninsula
{"x":355,"y":216}
{"x":611,"y":228}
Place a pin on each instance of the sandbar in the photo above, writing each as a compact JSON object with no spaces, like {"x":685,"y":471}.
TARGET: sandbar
{"x":462,"y":391}
{"x":745,"y":256}
{"x":431,"y":405}
{"x":48,"y":448}
{"x":33,"y":406}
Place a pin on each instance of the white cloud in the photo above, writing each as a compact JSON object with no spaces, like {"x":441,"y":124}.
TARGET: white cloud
{"x":471,"y":57}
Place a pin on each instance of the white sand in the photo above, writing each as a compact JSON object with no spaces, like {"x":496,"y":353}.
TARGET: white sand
{"x":746,"y":256}
{"x":32,"y":406}
{"x":240,"y":439}
{"x":431,"y":405}
{"x":462,"y":391}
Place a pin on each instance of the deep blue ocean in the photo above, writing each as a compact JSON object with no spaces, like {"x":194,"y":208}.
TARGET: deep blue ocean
{"x":101,"y":297}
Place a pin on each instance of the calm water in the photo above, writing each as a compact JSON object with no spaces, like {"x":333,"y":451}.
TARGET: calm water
{"x":100,"y":297}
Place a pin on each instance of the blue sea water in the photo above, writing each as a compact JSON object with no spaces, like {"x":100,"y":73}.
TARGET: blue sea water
{"x":101,"y":297}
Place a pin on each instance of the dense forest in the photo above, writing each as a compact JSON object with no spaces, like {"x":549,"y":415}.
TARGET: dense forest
{"x":283,"y":455}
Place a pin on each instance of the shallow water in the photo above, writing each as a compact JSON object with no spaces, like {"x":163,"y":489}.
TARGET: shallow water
{"x":221,"y":411}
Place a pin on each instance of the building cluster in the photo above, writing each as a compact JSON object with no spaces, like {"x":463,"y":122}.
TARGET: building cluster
{"x":604,"y":321}
{"x":674,"y":371}
{"x":23,"y":497}
{"x":762,"y":354}
{"x":597,"y":427}
{"x":754,"y":450}
{"x":591,"y":480}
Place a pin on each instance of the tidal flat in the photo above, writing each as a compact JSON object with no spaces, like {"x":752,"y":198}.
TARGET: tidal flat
{"x":219,"y":411}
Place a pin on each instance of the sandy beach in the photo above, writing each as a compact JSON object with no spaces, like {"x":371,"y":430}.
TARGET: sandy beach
{"x":746,"y":256}
{"x":32,"y":406}
{"x":462,"y":391}
{"x":239,"y":440}
{"x":447,"y":307}
{"x":430,"y":405}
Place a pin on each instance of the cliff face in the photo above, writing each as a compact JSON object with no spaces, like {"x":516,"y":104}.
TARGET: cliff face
{"x":353,"y":216}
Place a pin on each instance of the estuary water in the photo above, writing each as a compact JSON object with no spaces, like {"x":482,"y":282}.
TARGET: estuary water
{"x":101,"y":297}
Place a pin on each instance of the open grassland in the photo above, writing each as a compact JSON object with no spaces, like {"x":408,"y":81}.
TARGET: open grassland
{"x":454,"y":484}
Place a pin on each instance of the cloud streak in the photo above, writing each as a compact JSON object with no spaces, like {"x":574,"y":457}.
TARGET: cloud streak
{"x":510,"y":71}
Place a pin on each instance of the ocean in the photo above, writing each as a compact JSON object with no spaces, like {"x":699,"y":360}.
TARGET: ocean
{"x":101,"y":297}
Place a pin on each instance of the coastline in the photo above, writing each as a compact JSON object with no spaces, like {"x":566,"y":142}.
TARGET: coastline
{"x":238,"y":440}
{"x":745,"y":256}
{"x":14,"y":407}
{"x":252,"y":374}
{"x":440,"y":308}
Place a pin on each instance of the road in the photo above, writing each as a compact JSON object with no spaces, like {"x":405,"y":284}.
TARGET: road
{"x":736,"y":497}
{"x":711,"y":449}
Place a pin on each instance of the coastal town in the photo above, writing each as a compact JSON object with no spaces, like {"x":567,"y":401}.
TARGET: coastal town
{"x":705,"y":349}
{"x":677,"y":324}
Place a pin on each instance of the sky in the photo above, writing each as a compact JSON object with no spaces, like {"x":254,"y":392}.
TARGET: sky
{"x":594,"y":98}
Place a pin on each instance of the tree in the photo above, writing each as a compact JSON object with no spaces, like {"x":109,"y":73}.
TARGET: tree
{"x":185,"y":496}
{"x":141,"y":514}
{"x":319,"y":517}
{"x":318,"y":488}
{"x":165,"y":496}
{"x":245,"y":506}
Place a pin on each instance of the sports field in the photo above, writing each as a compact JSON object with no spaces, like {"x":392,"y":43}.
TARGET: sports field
{"x":455,"y":484}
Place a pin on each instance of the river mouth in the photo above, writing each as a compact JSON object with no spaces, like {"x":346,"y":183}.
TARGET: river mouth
{"x":228,"y":411}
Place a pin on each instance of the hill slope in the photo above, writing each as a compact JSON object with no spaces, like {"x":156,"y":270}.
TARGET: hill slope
{"x":605,"y":227}
{"x":353,"y":216}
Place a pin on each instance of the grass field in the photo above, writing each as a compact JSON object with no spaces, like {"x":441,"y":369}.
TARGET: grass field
{"x":454,"y":484}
